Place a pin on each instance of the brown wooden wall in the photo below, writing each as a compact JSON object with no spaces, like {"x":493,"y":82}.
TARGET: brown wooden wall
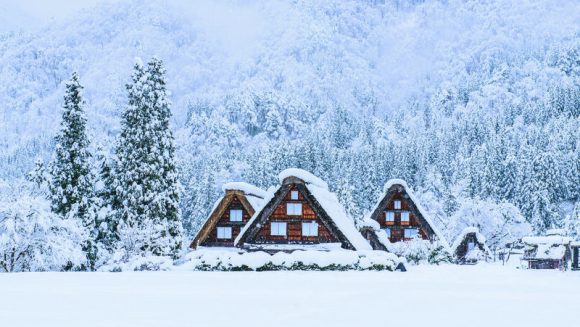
{"x":224,"y":221}
{"x":294,"y":224}
{"x":397,"y":227}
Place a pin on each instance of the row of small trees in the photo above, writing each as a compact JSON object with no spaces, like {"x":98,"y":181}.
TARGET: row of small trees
{"x":129,"y":205}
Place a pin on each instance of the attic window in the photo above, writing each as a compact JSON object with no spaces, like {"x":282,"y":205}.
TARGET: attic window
{"x":236,"y":215}
{"x":224,"y":233}
{"x":397,"y":204}
{"x":310,"y":229}
{"x":278,"y":229}
{"x":294,"y":195}
{"x":294,"y":209}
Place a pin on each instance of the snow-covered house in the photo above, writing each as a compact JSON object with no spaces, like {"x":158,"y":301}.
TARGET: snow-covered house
{"x":548,"y":252}
{"x":229,"y":215}
{"x":398,"y":216}
{"x":301,"y":214}
{"x":575,"y":247}
{"x":470,"y":248}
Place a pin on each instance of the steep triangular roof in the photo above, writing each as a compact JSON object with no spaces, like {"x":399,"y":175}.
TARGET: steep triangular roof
{"x":250,"y":196}
{"x":470,"y":232}
{"x":322,"y":201}
{"x":423,"y":216}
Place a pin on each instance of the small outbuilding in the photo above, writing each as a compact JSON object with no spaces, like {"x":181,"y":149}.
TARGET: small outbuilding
{"x":552,"y":251}
{"x":469,"y":247}
{"x":229,"y":215}
{"x":300,"y":214}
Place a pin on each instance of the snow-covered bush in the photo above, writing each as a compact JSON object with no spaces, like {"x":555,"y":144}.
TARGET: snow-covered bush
{"x":32,"y":238}
{"x":298,"y":260}
{"x":120,"y":262}
{"x":420,"y":251}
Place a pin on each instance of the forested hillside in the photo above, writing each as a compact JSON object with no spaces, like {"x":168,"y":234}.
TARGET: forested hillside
{"x":475,"y":104}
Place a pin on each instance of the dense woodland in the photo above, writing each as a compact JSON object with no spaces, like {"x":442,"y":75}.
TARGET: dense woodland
{"x":475,"y":105}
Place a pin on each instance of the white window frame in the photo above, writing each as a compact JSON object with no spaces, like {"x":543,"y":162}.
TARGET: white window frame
{"x":389,"y":213}
{"x":407,"y":214}
{"x":397,"y":204}
{"x":310,"y":229}
{"x":293,"y":209}
{"x":409,"y":229}
{"x":278,"y":229}
{"x":224,"y":233}
{"x":241,"y":215}
{"x":293,"y":195}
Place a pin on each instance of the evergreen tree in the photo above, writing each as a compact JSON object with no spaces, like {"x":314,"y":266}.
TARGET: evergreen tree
{"x":148,"y":188}
{"x":71,"y":187}
{"x":106,"y":204}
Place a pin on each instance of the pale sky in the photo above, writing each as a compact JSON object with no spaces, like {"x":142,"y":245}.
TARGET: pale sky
{"x":23,"y":14}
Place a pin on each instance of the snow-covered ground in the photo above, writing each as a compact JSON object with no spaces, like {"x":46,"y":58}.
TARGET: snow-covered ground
{"x":486,"y":295}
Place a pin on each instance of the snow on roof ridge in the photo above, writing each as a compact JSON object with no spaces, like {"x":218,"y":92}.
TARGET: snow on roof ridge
{"x":410,"y":192}
{"x":550,"y":239}
{"x":304,"y":175}
{"x":247,"y":188}
{"x":395,"y":181}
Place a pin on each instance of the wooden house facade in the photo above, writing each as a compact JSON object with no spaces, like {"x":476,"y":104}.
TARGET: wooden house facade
{"x":552,"y":251}
{"x":469,"y":248}
{"x":229,"y":215}
{"x":397,"y":217}
{"x":301,"y":214}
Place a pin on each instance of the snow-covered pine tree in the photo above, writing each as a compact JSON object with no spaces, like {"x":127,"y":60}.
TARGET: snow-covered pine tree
{"x":148,"y":186}
{"x":71,"y":186}
{"x":106,"y":204}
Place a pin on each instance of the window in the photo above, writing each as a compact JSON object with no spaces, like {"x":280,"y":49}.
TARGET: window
{"x":405,"y":217}
{"x":236,"y":215}
{"x":224,"y":233}
{"x":294,"y":209}
{"x":411,"y":232}
{"x":397,"y":204}
{"x":294,"y":195}
{"x":470,"y":246}
{"x":310,"y":229}
{"x":390,"y":216}
{"x":278,"y":229}
{"x":387,"y":231}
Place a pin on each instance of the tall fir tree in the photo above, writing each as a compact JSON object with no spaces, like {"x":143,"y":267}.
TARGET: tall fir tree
{"x":71,"y":187}
{"x":148,"y":188}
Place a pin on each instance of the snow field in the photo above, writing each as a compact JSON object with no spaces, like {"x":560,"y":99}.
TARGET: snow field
{"x":482,"y":295}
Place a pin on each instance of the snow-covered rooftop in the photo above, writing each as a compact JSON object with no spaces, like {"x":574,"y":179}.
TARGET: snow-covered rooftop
{"x":469,"y":230}
{"x":329,"y":202}
{"x":307,"y":177}
{"x":248,"y":189}
{"x":424,"y":213}
{"x":552,"y":247}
